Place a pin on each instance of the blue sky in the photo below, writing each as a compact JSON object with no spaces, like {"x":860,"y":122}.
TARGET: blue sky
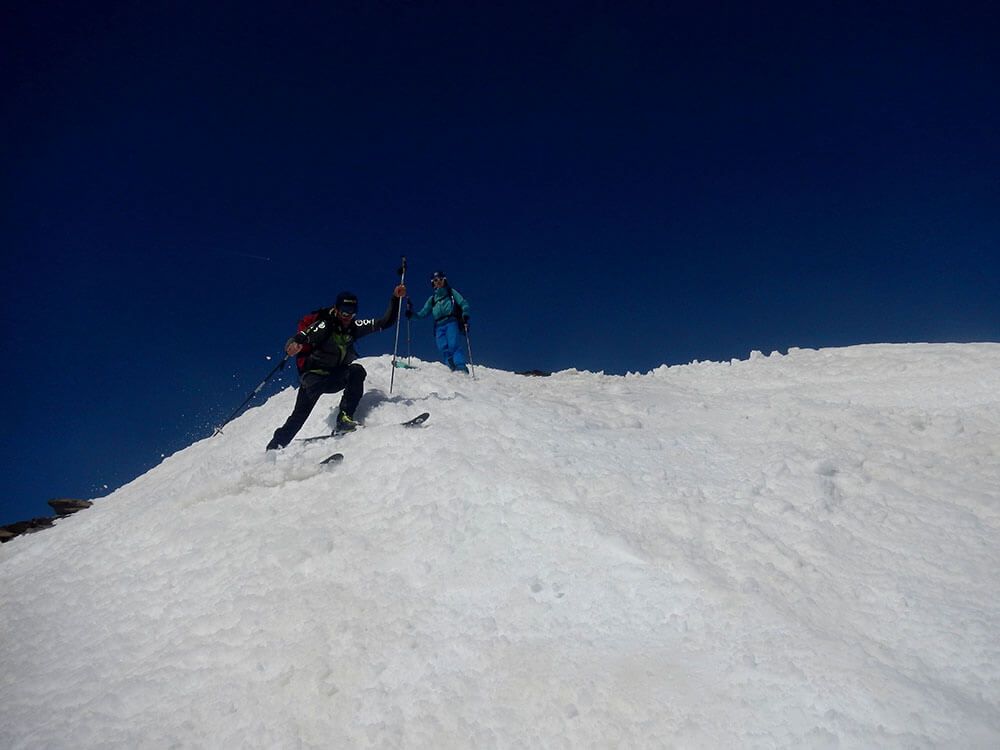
{"x":612,"y":185}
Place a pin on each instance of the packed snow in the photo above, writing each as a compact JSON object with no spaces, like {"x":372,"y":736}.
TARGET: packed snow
{"x":795,"y":550}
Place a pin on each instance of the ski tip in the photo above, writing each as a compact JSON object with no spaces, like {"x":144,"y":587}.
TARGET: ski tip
{"x":336,"y":458}
{"x":417,"y":420}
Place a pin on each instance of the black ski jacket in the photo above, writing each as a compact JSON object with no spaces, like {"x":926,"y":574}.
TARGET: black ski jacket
{"x":333,"y":344}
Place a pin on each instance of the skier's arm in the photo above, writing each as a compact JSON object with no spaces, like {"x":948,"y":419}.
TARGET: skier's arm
{"x":426,"y":309}
{"x":386,"y":320}
{"x":312,"y":334}
{"x":462,"y":302}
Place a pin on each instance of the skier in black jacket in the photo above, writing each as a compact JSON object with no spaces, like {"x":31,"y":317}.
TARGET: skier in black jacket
{"x":330,"y":366}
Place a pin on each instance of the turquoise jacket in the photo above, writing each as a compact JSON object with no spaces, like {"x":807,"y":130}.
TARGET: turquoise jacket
{"x":440,"y":305}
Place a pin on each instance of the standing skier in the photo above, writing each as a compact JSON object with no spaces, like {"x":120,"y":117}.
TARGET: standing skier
{"x":451,"y":314}
{"x":326,"y":362}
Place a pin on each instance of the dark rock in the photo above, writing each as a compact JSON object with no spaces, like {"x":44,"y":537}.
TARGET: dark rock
{"x":66,"y":506}
{"x":12,"y":530}
{"x":534,"y":373}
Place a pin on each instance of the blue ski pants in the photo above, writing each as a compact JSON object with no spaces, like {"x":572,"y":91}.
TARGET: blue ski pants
{"x":449,"y":343}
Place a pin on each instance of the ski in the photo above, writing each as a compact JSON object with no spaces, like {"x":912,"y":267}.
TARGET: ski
{"x":336,"y":458}
{"x":415,"y":422}
{"x":316,"y":437}
{"x":335,"y":433}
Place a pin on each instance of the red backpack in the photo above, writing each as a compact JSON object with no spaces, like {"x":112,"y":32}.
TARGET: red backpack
{"x":304,"y":322}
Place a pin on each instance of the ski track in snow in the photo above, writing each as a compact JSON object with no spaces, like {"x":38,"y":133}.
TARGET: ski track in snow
{"x":785,"y":551}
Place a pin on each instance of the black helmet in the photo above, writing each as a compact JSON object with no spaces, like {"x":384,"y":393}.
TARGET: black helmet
{"x":438,"y":275}
{"x":347,"y":302}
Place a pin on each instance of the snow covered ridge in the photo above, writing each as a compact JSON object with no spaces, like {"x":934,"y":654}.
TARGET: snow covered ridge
{"x":785,"y":551}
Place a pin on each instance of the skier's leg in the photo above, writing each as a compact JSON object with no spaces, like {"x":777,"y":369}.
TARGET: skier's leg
{"x":441,"y":339}
{"x":354,"y":388}
{"x":455,"y":344}
{"x":310,"y":389}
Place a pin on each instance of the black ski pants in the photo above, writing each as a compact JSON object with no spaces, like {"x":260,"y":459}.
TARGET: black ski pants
{"x":350,"y":380}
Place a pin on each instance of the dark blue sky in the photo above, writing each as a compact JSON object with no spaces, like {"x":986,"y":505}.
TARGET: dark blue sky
{"x":612,"y":185}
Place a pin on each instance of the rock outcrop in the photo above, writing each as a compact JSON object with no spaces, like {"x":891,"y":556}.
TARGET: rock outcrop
{"x":63,"y":506}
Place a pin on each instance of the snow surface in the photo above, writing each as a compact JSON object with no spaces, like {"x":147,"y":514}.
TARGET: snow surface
{"x":794,"y":550}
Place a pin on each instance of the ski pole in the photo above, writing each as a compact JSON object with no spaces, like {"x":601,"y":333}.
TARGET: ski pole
{"x":279,"y":366}
{"x":399,"y":312}
{"x":468,"y":345}
{"x":407,"y":331}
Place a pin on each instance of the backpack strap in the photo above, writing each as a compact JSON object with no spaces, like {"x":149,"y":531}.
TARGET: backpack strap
{"x":456,"y":309}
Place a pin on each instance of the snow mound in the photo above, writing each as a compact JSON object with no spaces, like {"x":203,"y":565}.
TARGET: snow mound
{"x":791,"y":550}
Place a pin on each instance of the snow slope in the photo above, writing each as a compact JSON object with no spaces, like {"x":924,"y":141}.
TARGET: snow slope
{"x":787,"y":551}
